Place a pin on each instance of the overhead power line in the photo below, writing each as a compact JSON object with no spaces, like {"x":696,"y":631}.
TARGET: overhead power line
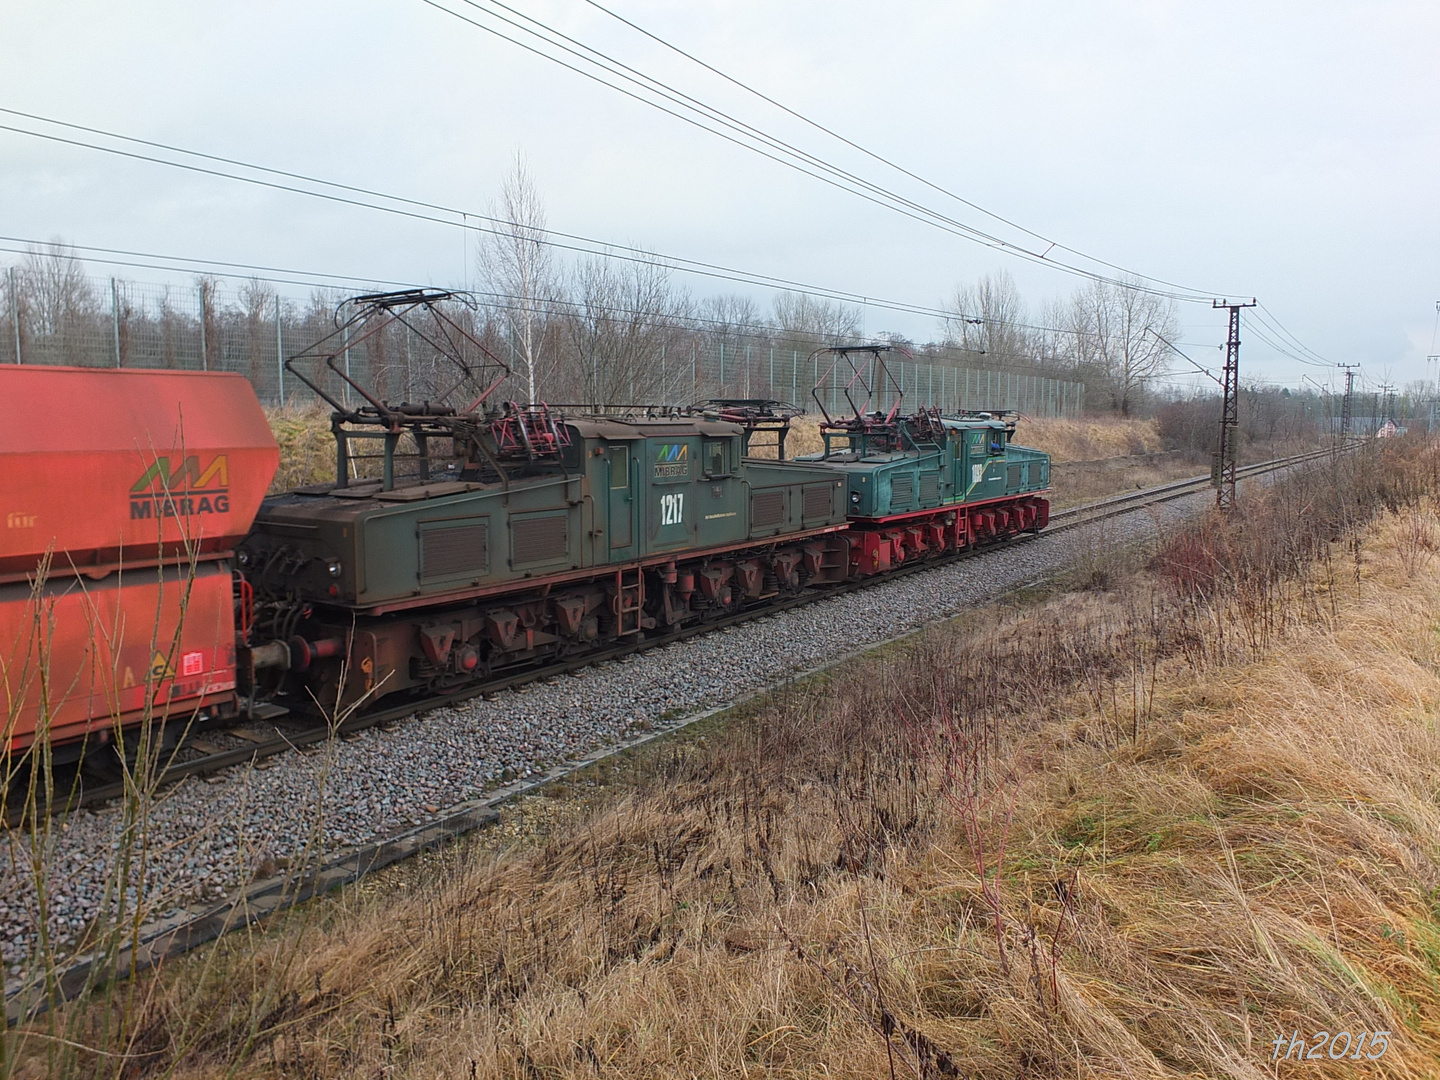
{"x":467,"y":219}
{"x":776,"y":149}
{"x":1262,"y":330}
{"x":872,"y":154}
{"x":1295,"y":350}
{"x":1272,"y":320}
{"x":598,"y":248}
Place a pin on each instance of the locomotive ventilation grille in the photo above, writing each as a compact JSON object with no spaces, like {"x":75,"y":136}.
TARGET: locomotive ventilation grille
{"x":454,"y":551}
{"x":930,"y":489}
{"x":767,"y":508}
{"x":902,"y":491}
{"x":1012,"y":478}
{"x":538,"y":540}
{"x":816,"y":501}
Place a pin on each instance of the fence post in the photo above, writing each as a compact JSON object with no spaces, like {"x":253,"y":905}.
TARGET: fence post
{"x":346,"y":339}
{"x":204,"y":345}
{"x":15,"y":314}
{"x":663,"y":400}
{"x":770,"y":392}
{"x":747,"y":371}
{"x":722,"y":369}
{"x":694,"y":373}
{"x":279,"y":351}
{"x":115,"y":318}
{"x":405,"y":337}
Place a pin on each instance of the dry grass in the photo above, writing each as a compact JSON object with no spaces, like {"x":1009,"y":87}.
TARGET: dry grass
{"x":1089,"y":440}
{"x":307,"y":449}
{"x":1074,"y":485}
{"x":1116,"y":833}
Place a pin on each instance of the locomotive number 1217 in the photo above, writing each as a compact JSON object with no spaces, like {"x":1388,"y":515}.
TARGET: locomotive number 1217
{"x":672,"y":509}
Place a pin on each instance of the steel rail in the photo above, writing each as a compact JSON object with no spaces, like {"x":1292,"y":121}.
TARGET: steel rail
{"x":1114,"y":505}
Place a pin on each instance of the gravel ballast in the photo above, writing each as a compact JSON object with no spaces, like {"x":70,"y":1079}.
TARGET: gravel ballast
{"x":204,"y":838}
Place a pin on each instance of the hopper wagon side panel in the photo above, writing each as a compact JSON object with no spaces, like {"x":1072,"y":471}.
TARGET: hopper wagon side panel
{"x":108,"y":466}
{"x":83,"y":656}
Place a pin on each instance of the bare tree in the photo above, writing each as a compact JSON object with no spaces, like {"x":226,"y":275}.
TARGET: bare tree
{"x":815,"y":322}
{"x":1053,"y":344}
{"x":624,"y":316}
{"x":1117,"y":331}
{"x":517,"y":263}
{"x":731,"y":318}
{"x":257,"y":303}
{"x":62,"y":307}
{"x":987,"y":317}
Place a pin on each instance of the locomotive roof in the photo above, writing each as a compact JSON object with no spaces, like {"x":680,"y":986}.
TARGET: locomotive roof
{"x":621,"y":427}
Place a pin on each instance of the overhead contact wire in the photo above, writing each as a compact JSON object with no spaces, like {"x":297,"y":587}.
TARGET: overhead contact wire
{"x":891,"y":201}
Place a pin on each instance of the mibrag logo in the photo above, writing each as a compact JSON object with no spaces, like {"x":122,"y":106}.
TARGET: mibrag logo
{"x":672,"y":459}
{"x":187,"y":490}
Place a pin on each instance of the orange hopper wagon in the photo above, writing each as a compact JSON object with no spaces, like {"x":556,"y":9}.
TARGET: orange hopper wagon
{"x":122,"y":496}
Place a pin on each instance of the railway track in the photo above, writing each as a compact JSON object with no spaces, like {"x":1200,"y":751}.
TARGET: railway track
{"x":191,"y":927}
{"x":297,"y":733}
{"x":1115,"y":505}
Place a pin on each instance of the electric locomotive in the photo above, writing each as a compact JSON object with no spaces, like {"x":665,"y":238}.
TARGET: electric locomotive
{"x":458,"y":540}
{"x":922,"y":484}
{"x":547,"y":535}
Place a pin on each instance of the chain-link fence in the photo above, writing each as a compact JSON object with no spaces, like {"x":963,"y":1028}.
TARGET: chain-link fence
{"x":62,"y":316}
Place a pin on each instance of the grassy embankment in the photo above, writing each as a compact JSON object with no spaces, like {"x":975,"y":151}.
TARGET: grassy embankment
{"x":1139,"y":831}
{"x":307,"y":449}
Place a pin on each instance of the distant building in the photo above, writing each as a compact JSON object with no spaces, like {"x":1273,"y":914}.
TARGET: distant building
{"x":1388,"y":430}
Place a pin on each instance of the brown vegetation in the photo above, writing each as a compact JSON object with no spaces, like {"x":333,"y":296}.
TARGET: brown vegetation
{"x":1112,"y":833}
{"x":1089,"y":440}
{"x":307,"y":449}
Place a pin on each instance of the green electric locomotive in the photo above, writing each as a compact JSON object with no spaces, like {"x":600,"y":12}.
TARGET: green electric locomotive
{"x":478,"y":539}
{"x":923,"y":484}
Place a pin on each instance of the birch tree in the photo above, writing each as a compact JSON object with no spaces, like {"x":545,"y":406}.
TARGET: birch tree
{"x":518,"y":264}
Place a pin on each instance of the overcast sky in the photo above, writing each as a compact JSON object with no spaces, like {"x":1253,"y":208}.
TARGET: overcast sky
{"x":1286,"y":151}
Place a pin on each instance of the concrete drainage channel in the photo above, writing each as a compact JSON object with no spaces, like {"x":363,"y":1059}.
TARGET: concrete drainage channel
{"x":199,"y":924}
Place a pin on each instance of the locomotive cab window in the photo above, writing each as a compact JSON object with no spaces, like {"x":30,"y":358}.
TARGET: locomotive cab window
{"x":620,"y":466}
{"x":716,"y":458}
{"x":997,"y":443}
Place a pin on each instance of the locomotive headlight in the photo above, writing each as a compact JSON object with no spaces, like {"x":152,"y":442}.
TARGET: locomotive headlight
{"x":242,"y":557}
{"x":854,"y":498}
{"x":334,"y":568}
